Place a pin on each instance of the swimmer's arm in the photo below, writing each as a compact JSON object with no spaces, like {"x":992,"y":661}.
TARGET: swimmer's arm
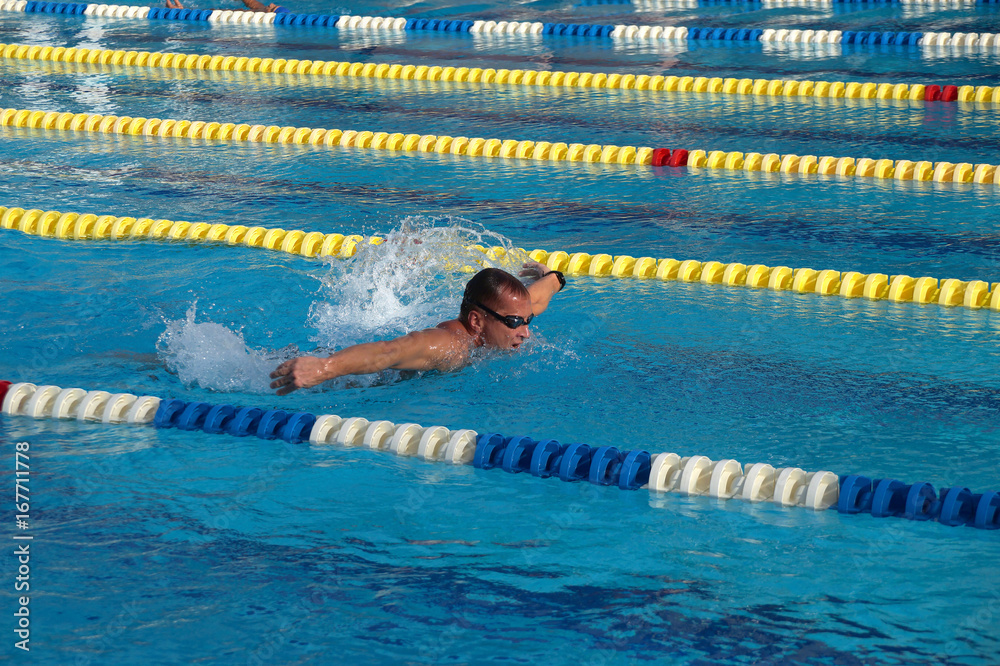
{"x":432,"y":349}
{"x":543,"y":289}
{"x":254,"y":6}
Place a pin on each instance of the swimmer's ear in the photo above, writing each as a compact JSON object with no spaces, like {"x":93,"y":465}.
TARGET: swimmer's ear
{"x":476,"y":321}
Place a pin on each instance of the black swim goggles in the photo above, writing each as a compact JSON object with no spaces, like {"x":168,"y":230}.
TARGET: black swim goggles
{"x":510,"y":321}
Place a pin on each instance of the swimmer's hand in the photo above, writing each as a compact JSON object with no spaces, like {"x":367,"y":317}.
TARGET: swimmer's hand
{"x":533,"y":269}
{"x":301,"y":372}
{"x":543,"y":288}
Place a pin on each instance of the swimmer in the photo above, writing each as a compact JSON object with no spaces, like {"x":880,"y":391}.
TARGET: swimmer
{"x":495,"y":314}
{"x":251,"y":5}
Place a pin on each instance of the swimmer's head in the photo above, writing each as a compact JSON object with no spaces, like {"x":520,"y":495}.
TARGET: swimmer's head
{"x":496,"y":309}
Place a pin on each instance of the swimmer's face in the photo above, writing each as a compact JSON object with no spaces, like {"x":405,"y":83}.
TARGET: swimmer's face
{"x":496,"y":334}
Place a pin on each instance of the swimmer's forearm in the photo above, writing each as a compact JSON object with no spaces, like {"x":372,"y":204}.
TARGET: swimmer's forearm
{"x":363,"y":359}
{"x":542,"y":290}
{"x":306,"y":371}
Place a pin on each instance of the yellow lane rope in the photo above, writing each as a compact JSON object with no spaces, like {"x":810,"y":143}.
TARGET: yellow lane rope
{"x":851,"y":284}
{"x":945,"y":172}
{"x":524,"y":77}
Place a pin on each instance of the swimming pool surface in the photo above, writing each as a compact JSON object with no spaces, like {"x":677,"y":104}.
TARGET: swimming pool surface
{"x":162,"y":546}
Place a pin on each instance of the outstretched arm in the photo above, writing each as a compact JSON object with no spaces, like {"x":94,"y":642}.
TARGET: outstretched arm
{"x":255,"y":6}
{"x":542,"y":289}
{"x":432,"y":349}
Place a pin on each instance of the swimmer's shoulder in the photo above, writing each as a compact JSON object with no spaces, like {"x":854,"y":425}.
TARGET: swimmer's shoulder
{"x":459,"y":343}
{"x":455,"y":327}
{"x":458,"y":337}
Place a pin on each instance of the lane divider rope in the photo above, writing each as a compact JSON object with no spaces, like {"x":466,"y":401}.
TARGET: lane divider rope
{"x":616,"y":32}
{"x":976,"y":98}
{"x":656,"y":83}
{"x":74,"y":226}
{"x":243,"y":133}
{"x":973,"y":294}
{"x":845,"y":167}
{"x":653,"y":5}
{"x":605,"y":466}
{"x":433,"y":443}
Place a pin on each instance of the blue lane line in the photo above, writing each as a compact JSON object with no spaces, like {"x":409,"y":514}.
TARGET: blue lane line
{"x":849,"y":37}
{"x":711,"y":3}
{"x":604,"y":466}
{"x":55,"y":8}
{"x":440,"y":25}
{"x":292,"y":427}
{"x":629,"y":470}
{"x":179,"y":14}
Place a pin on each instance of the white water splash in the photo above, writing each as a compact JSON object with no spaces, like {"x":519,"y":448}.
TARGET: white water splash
{"x":413,"y":280}
{"x":211,"y":356}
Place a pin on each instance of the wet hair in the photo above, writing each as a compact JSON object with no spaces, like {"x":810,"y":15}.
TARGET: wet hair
{"x":486,"y":287}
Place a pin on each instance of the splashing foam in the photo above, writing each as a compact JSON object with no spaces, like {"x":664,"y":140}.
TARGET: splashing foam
{"x":213,"y":357}
{"x":413,"y":280}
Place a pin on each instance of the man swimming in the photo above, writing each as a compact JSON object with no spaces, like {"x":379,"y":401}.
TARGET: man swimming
{"x":252,"y":5}
{"x":495,"y":314}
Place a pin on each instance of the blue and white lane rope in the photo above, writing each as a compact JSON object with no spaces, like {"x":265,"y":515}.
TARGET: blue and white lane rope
{"x":657,"y":5}
{"x":605,"y":465}
{"x":615,"y":32}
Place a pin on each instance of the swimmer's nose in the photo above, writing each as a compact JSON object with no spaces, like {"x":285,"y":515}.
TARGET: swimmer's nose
{"x":526,"y":333}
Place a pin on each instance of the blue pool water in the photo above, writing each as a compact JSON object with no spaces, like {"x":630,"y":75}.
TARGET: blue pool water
{"x":161,"y":546}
